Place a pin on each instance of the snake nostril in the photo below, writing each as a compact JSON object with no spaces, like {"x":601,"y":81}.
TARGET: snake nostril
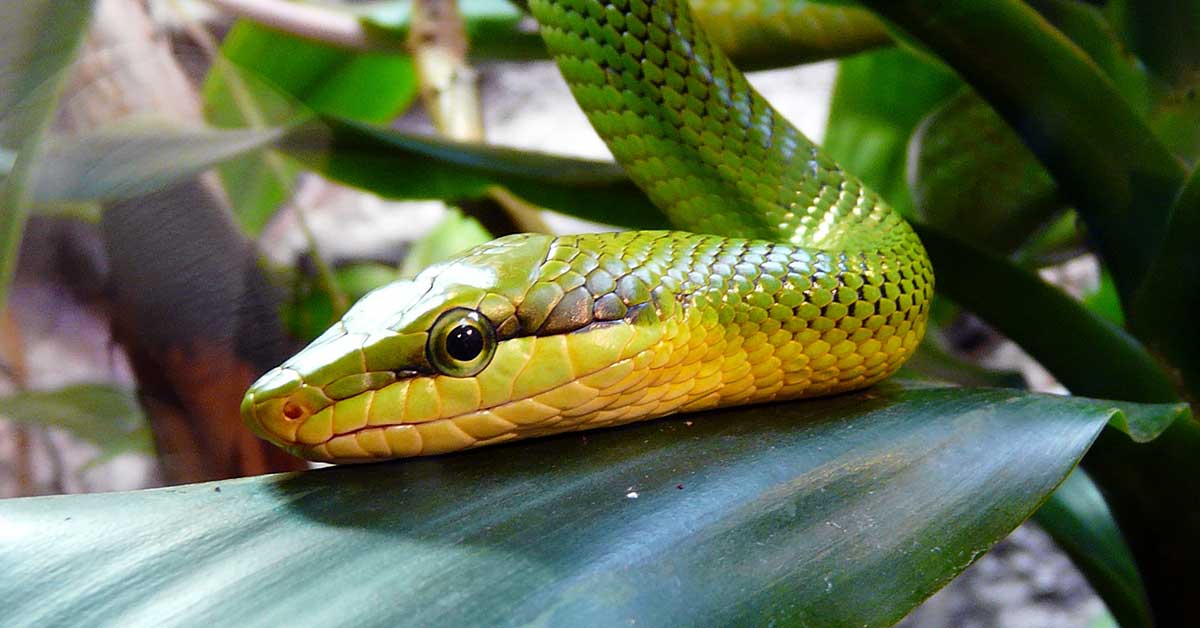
{"x":293,"y":410}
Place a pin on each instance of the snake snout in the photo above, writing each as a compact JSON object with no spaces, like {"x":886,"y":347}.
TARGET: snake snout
{"x":277,"y":405}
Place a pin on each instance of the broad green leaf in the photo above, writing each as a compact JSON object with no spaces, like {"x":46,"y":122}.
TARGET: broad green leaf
{"x":38,"y":42}
{"x":1102,"y":154}
{"x":842,"y":511}
{"x":131,"y":160}
{"x":1150,"y":487}
{"x":1079,"y":520}
{"x":753,"y":34}
{"x":372,"y":87}
{"x":373,"y":158}
{"x":878,"y":101}
{"x":971,"y":176}
{"x":265,"y":77}
{"x":109,"y":417}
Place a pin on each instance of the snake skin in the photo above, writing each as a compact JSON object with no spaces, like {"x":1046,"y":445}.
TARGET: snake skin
{"x":810,"y":286}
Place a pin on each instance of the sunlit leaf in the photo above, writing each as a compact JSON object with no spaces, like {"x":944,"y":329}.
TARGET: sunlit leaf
{"x":265,"y":77}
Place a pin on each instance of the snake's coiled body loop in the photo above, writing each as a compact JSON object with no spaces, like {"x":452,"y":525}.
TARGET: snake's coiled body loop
{"x":808,"y":285}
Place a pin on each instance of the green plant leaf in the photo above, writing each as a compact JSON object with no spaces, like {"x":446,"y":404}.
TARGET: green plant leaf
{"x":971,"y":176}
{"x":1107,"y":162}
{"x":264,"y":77}
{"x":1094,"y":358}
{"x":879,"y":99}
{"x":841,"y":511}
{"x":131,"y":160}
{"x":1089,"y":28}
{"x":106,"y":416}
{"x":1079,"y":520}
{"x":370,"y":157}
{"x":38,"y":42}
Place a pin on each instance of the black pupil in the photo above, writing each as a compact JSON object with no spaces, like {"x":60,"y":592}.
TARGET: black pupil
{"x":464,"y":343}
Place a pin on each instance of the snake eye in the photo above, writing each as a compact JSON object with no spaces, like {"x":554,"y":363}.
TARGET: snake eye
{"x":461,"y":343}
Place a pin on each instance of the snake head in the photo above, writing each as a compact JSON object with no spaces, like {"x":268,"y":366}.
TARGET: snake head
{"x":470,"y":352}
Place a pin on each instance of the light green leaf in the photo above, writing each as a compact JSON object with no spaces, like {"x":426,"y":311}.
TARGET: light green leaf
{"x":265,"y":77}
{"x":841,"y":511}
{"x":1104,"y":157}
{"x":38,"y":42}
{"x":130,"y":161}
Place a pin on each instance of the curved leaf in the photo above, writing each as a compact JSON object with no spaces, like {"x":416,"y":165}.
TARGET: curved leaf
{"x":1088,"y":354}
{"x":401,"y":165}
{"x":122,"y":163}
{"x":878,"y":101}
{"x":265,"y":77}
{"x":1106,"y":160}
{"x":971,"y":176}
{"x":38,"y":42}
{"x":774,"y":513}
{"x":1079,"y":520}
{"x":1167,"y":305}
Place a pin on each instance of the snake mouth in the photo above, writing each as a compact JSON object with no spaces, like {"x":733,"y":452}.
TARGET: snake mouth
{"x":418,"y":417}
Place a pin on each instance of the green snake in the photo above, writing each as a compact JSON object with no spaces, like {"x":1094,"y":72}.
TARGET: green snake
{"x":813,"y":286}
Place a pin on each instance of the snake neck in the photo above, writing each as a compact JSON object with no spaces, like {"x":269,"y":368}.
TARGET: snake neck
{"x":698,"y":139}
{"x":761,"y":320}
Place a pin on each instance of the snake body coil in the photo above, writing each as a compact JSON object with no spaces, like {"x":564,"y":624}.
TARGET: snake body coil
{"x":814,"y":285}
